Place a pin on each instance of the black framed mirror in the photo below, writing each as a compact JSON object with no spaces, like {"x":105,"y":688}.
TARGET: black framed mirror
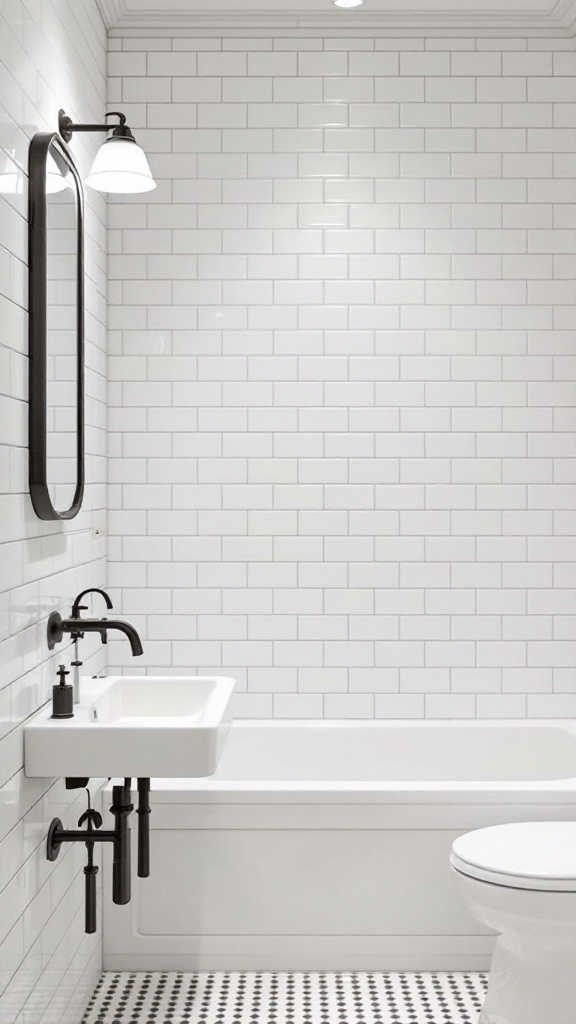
{"x":56,"y":329}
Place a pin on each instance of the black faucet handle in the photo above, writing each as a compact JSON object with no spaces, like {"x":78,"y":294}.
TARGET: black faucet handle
{"x":94,"y":819}
{"x":77,"y":607}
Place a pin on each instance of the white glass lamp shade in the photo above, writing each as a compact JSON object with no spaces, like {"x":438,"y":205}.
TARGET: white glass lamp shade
{"x":120,"y":165}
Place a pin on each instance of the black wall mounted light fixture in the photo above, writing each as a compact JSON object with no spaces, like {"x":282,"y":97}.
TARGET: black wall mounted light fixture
{"x":120,"y":164}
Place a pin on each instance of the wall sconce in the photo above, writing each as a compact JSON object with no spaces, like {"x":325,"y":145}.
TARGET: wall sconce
{"x":120,"y":165}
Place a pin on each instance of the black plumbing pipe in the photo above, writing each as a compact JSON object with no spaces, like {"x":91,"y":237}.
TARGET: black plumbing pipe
{"x":58,"y":835}
{"x":90,"y":872}
{"x":143,"y":812}
{"x":121,"y":808}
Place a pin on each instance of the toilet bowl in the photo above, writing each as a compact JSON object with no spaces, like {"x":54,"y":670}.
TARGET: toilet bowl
{"x":520,"y":880}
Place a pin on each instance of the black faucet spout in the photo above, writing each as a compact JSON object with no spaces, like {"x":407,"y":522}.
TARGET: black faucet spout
{"x":57,"y":627}
{"x":104,"y":626}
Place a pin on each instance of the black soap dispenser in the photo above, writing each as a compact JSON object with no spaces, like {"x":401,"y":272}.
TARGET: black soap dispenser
{"x":62,"y":696}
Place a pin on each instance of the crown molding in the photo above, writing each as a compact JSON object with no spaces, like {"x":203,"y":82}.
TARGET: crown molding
{"x":564,"y":11}
{"x":560,"y":21}
{"x":112,"y":12}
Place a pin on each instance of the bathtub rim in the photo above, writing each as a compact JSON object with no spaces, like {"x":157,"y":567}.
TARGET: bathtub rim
{"x":437,"y":791}
{"x":185,"y":791}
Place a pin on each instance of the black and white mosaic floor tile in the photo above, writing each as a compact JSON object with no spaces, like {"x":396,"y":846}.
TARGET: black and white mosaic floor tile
{"x":282,"y":998}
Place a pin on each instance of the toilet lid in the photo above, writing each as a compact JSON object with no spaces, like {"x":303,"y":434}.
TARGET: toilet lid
{"x":527,"y":855}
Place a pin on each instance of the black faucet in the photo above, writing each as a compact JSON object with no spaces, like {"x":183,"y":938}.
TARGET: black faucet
{"x":76,"y":626}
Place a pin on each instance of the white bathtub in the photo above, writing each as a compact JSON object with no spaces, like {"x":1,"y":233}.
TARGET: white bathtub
{"x":324,"y":846}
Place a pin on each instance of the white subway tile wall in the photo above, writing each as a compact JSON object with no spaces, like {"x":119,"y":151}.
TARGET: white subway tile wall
{"x":343,"y":370}
{"x":52,"y":55}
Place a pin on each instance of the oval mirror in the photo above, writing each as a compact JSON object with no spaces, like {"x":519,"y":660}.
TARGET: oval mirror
{"x":56,"y":330}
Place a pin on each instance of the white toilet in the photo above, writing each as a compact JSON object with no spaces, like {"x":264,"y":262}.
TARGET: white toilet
{"x":520,"y":880}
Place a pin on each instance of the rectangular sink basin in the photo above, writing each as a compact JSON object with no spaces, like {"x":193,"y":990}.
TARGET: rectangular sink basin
{"x":138,"y":726}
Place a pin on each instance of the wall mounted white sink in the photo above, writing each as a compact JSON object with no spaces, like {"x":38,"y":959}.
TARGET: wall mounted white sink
{"x":139,"y":726}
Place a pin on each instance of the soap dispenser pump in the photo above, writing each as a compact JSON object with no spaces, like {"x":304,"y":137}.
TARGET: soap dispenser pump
{"x":62,"y":696}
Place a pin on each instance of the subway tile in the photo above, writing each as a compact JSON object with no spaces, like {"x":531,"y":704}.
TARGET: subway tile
{"x":347,"y":90}
{"x":41,"y":568}
{"x":378,"y":363}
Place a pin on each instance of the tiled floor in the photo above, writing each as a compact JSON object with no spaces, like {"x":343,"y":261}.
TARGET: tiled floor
{"x":268,"y":998}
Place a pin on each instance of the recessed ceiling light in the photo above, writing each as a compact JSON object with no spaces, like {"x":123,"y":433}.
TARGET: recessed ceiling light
{"x":347,"y":3}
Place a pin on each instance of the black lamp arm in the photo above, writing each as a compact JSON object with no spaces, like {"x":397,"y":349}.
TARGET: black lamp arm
{"x":66,"y":126}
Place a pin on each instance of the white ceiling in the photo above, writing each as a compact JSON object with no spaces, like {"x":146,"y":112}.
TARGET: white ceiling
{"x":371,"y":6}
{"x":533,"y":16}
